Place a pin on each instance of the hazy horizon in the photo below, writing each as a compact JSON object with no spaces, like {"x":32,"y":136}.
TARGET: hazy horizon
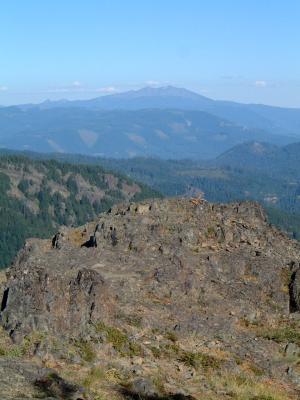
{"x":243,"y":52}
{"x":92,"y":95}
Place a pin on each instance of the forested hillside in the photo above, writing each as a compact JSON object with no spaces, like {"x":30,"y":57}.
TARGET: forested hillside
{"x":279,"y":194}
{"x":38,"y":196}
{"x":252,"y":171}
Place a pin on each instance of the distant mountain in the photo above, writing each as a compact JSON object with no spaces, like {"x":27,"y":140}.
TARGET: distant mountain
{"x":276,"y":120}
{"x":125,"y":133}
{"x":148,"y":97}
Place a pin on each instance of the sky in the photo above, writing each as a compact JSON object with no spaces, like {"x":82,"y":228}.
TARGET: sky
{"x":241,"y":50}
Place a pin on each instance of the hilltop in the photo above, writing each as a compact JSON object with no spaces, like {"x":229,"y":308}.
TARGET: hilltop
{"x":174,"y":299}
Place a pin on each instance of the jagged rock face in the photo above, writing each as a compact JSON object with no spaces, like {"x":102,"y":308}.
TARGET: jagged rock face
{"x":61,"y":303}
{"x":295,"y":289}
{"x":177,"y":264}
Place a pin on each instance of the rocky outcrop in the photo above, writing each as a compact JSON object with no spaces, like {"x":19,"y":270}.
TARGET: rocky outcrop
{"x":295,"y":289}
{"x":184,"y":265}
{"x":174,"y":286}
{"x":44,"y":298}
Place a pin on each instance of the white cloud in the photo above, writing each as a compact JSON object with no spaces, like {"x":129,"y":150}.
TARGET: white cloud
{"x":77,"y":84}
{"x":137,"y":139}
{"x":260,"y":84}
{"x":152,"y":83}
{"x":107,"y":89}
{"x":58,"y":90}
{"x":3,"y":88}
{"x":79,"y":87}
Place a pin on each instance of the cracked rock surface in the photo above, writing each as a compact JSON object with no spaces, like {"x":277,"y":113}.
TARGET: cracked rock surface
{"x":183,"y":266}
{"x":210,"y":274}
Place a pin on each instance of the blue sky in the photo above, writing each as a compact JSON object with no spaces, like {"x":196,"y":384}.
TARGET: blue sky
{"x":243,"y":50}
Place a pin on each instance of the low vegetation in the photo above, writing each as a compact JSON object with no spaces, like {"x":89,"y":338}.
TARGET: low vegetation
{"x":197,"y":360}
{"x":119,"y":340}
{"x":245,"y":387}
{"x":281,"y":334}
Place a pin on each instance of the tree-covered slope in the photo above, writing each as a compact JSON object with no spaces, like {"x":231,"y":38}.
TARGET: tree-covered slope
{"x":252,"y":171}
{"x":270,"y":177}
{"x":265,"y":158}
{"x":37,"y":196}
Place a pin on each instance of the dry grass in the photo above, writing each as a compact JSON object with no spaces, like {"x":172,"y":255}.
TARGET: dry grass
{"x":172,"y":360}
{"x":87,"y":350}
{"x":102,"y":382}
{"x":93,"y":376}
{"x":78,"y":237}
{"x":2,"y":277}
{"x":24,"y":349}
{"x":243,"y":387}
{"x":282,"y":332}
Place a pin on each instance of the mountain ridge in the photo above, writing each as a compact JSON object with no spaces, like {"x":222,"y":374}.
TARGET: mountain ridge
{"x":279,"y":120}
{"x":149,"y":91}
{"x":165,"y":122}
{"x":165,"y":133}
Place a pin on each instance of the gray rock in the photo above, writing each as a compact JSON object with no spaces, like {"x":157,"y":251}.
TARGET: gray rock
{"x":65,"y":287}
{"x":143,"y":387}
{"x":59,"y":301}
{"x":295,"y":291}
{"x":292,"y":350}
{"x":294,"y":376}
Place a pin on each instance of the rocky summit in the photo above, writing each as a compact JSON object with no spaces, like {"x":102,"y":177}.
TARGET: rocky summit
{"x":174,"y":298}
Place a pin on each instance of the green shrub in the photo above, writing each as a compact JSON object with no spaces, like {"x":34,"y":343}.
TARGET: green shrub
{"x":171,"y":336}
{"x":87,"y":351}
{"x":210,"y":232}
{"x":94,"y":375}
{"x":197,"y":360}
{"x":156,"y":351}
{"x":119,"y":340}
